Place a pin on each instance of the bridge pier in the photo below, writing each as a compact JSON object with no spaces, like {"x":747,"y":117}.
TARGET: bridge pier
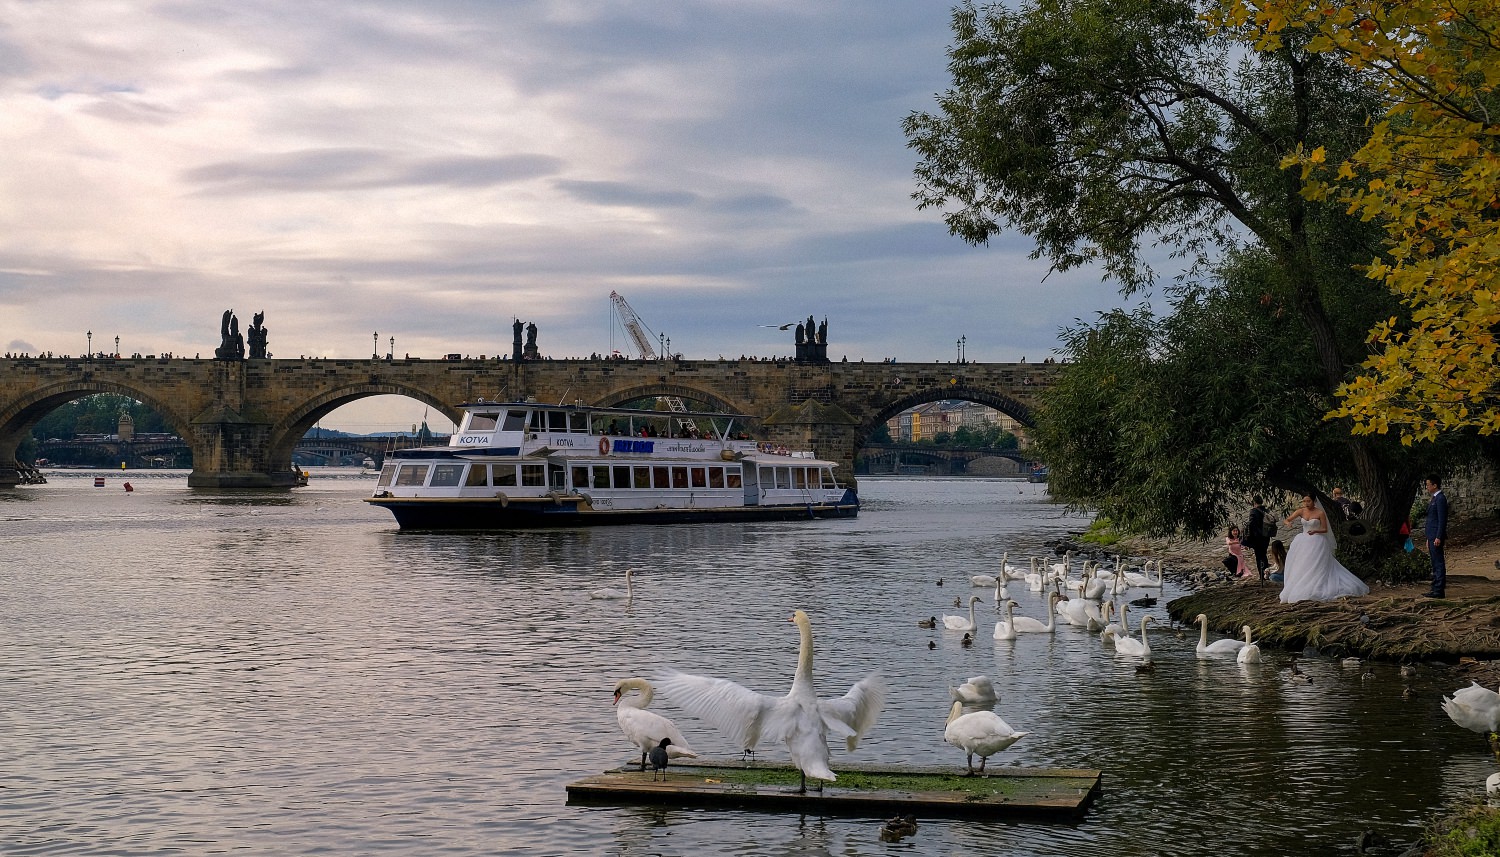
{"x":828,"y":429}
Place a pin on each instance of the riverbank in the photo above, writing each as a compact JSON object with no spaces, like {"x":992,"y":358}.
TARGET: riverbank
{"x":1392,"y":623}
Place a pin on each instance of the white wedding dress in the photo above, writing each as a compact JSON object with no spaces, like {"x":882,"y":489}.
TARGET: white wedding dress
{"x":1311,"y":572}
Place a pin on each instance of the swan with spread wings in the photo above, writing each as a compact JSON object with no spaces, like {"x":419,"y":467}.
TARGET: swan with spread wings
{"x":800,"y":719}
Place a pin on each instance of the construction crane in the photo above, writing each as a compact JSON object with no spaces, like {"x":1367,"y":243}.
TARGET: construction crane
{"x":636,"y":329}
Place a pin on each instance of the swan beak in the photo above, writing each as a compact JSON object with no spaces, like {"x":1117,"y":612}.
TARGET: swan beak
{"x":617,"y":697}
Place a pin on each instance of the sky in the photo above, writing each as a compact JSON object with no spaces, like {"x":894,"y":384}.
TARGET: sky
{"x":430,"y":171}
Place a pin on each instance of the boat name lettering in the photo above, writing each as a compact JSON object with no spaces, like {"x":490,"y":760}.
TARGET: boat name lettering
{"x":474,"y":439}
{"x":634,"y":445}
{"x":684,"y":447}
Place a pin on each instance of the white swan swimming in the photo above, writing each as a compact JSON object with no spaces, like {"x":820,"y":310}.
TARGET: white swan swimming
{"x":1010,"y":572}
{"x":1005,"y":629}
{"x":1028,"y":625}
{"x":982,"y":732}
{"x":1142,"y":579}
{"x":609,"y":593}
{"x":646,"y":729}
{"x":1249,"y":653}
{"x":1474,"y":708}
{"x":1111,"y":630}
{"x":799,"y":719}
{"x":976,"y":694}
{"x":1001,"y":593}
{"x":1226,"y":646}
{"x":960,"y":623}
{"x":1035,"y":580}
{"x":1136,"y":648}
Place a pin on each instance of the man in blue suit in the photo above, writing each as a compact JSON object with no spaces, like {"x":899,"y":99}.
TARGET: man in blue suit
{"x":1437,"y":533}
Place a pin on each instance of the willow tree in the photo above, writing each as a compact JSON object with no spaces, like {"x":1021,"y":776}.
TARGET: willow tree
{"x":1104,"y":128}
{"x":1430,"y":174}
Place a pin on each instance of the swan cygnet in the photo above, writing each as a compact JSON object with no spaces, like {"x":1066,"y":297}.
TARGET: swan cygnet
{"x":1225,"y":646}
{"x":1028,"y":625}
{"x":1474,"y":708}
{"x":962,"y":623}
{"x":646,"y":729}
{"x":609,"y":593}
{"x":800,"y":719}
{"x":1249,"y":653}
{"x":976,"y":694}
{"x":981,"y":733}
{"x":1133,"y":647}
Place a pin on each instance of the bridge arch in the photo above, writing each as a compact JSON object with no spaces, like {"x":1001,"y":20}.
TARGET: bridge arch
{"x":287,"y":431}
{"x":716,"y":402}
{"x":996,"y":399}
{"x":26,"y":411}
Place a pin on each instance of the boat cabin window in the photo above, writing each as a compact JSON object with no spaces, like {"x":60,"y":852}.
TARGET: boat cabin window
{"x":622,"y":477}
{"x":698,"y":477}
{"x":659,"y":478}
{"x":476,"y":479}
{"x":412,"y":474}
{"x":828,"y":480}
{"x":716,"y":477}
{"x":601,"y":476}
{"x":503,"y":475}
{"x":482,"y":421}
{"x":386,"y":473}
{"x":640,"y":477}
{"x":799,"y":477}
{"x":679,"y":477}
{"x":534,"y":475}
{"x":578,"y":422}
{"x":732,"y":477}
{"x":447,"y":475}
{"x":515,"y":421}
{"x":581,"y":477}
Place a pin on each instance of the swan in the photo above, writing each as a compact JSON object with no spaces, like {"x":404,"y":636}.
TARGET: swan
{"x":1108,"y":573}
{"x":1010,"y":572}
{"x":647,"y":729}
{"x":609,"y":593}
{"x":959,"y":623}
{"x":1076,"y":610}
{"x":1113,"y":631}
{"x":1142,"y":579}
{"x":1059,"y":570}
{"x":800,"y":719}
{"x":1095,"y":586}
{"x":1474,"y":708}
{"x":976,"y":694}
{"x":1035,"y":580}
{"x":982,"y":579}
{"x":1005,"y":629}
{"x":1109,"y":629}
{"x":1136,"y":648}
{"x":1001,"y":593}
{"x":1249,"y":653}
{"x":1217,"y":647}
{"x":981,"y":732}
{"x":1028,"y":625}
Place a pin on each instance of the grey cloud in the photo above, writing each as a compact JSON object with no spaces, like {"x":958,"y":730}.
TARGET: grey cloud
{"x":348,"y":168}
{"x":624,"y":194}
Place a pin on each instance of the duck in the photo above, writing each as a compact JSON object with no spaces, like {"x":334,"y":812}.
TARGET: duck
{"x":647,"y":730}
{"x":1250,"y":652}
{"x":898,"y":828}
{"x":800,"y":718}
{"x":929,"y":622}
{"x":967,"y":641}
{"x":1028,"y":625}
{"x":1225,"y":646}
{"x":983,"y":733}
{"x":962,"y":623}
{"x":1131,"y":647}
{"x":660,"y":754}
{"x":609,"y":593}
{"x":1298,"y":676}
{"x":1474,"y":708}
{"x":976,"y":694}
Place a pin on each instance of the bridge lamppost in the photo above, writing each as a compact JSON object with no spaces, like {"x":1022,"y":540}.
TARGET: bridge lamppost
{"x":376,"y":336}
{"x":961,"y":341}
{"x":661,"y":339}
{"x":117,"y":348}
{"x":668,"y":354}
{"x":91,"y":344}
{"x":391,"y":354}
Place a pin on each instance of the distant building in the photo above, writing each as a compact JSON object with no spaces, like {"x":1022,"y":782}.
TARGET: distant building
{"x":925,"y":422}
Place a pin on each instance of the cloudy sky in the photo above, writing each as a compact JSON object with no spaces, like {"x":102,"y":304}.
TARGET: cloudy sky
{"x":432,"y":170}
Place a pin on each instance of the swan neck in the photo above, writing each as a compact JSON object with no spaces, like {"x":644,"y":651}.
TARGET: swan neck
{"x":804,"y":675}
{"x":954,"y":712}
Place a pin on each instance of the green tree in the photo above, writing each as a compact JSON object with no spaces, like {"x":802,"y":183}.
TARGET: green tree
{"x":1100,"y":127}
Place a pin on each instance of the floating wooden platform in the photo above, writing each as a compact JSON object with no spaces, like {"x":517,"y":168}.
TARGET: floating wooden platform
{"x":874,"y":790}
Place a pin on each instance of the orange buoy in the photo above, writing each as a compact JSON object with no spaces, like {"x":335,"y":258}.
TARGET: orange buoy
{"x":128,"y":488}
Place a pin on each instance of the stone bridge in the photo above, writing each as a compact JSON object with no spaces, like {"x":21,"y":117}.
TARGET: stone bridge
{"x":891,"y":457}
{"x":242,"y":419}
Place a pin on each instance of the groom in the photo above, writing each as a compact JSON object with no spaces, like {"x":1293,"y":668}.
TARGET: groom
{"x":1437,"y":533}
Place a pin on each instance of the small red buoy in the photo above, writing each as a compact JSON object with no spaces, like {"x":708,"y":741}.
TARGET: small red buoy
{"x":128,"y":488}
{"x":98,"y":481}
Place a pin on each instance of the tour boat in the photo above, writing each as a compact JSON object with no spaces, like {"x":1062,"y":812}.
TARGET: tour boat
{"x":525,"y":464}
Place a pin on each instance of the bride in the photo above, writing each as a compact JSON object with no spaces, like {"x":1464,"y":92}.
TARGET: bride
{"x":1311,"y":572}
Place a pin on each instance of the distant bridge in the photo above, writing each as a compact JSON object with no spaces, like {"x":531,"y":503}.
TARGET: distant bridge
{"x":951,"y":461}
{"x":177,"y":453}
{"x":243,"y":419}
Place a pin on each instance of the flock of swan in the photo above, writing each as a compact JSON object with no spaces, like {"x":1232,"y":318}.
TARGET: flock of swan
{"x":804,"y":722}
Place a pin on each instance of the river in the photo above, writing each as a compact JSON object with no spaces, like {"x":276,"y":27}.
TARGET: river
{"x":191,"y":672}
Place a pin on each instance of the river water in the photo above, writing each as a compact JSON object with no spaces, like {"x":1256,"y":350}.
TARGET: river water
{"x":191,"y":672}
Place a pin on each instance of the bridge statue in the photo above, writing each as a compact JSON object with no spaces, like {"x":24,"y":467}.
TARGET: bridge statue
{"x":799,"y":333}
{"x":258,"y":338}
{"x":231,"y":343}
{"x":531,"y":353}
{"x":515,"y":353}
{"x":812,"y":341}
